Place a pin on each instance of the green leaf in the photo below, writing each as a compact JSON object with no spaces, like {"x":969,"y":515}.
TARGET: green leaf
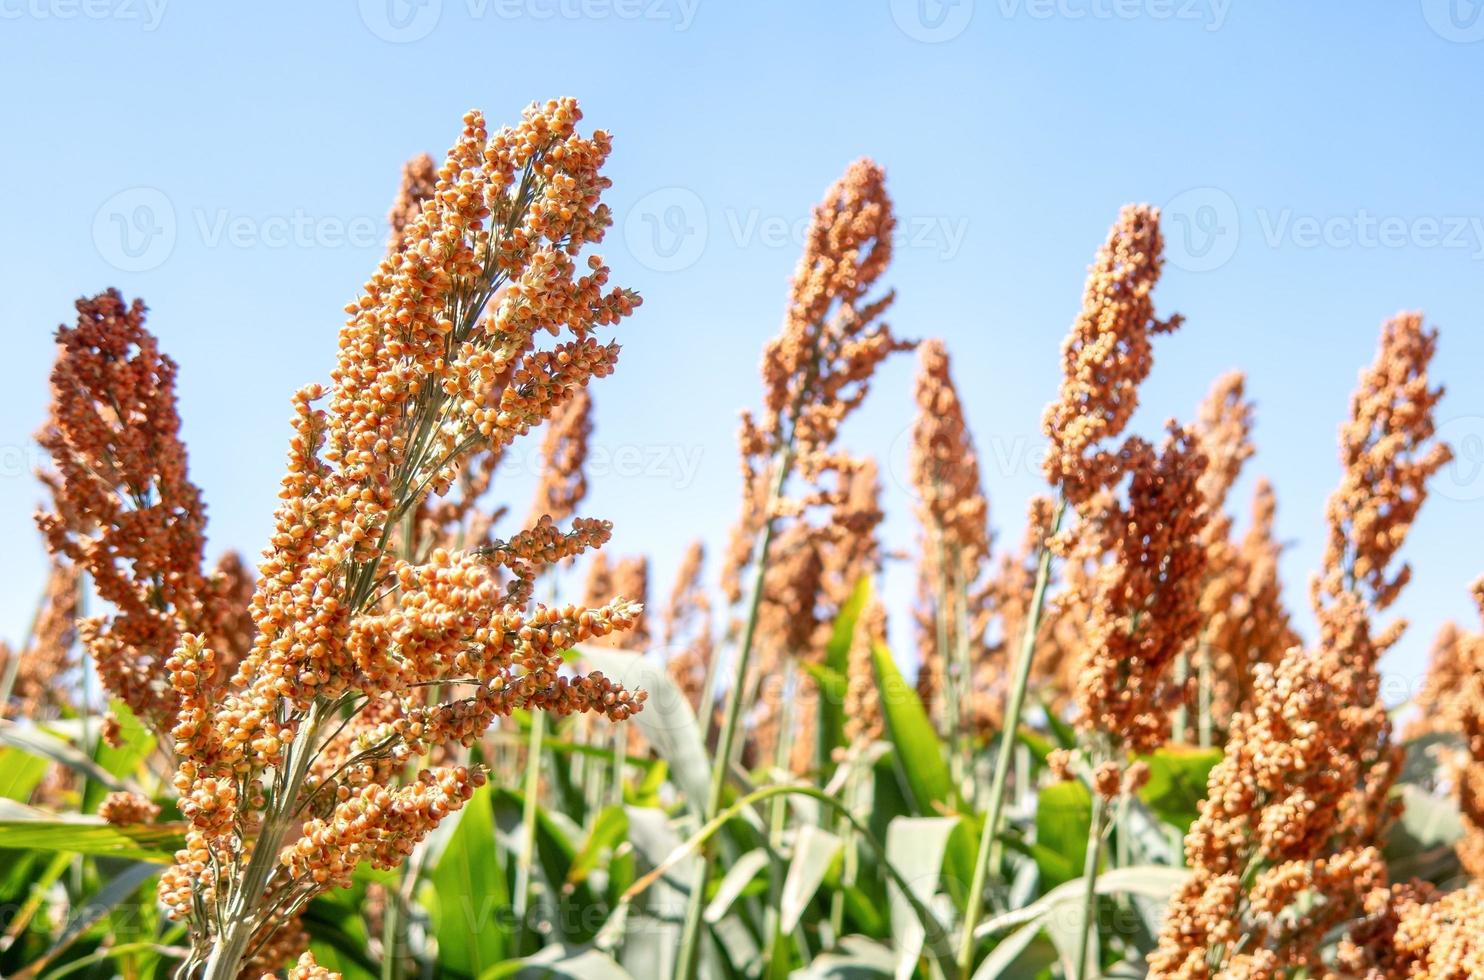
{"x":1423,"y":754}
{"x":609,"y":829}
{"x":1063,"y":818}
{"x":337,"y":936}
{"x":831,"y":728}
{"x":738,"y":877}
{"x":1022,"y":955}
{"x":1039,"y":745}
{"x":560,"y":962}
{"x":556,"y":854}
{"x":1177,"y":783}
{"x":118,"y":889}
{"x":20,"y":774}
{"x":916,"y":847}
{"x":832,"y":686}
{"x":667,"y":721}
{"x":1420,"y":844}
{"x":37,"y":742}
{"x":1065,"y":737}
{"x":155,"y":843}
{"x":919,"y":753}
{"x":1147,"y":881}
{"x":857,"y":958}
{"x":471,"y":894}
{"x":814,"y":851}
{"x":136,"y":743}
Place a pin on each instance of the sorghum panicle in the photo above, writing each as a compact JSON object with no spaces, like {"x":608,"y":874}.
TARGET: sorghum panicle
{"x":124,"y":509}
{"x":1297,"y":805}
{"x":953,"y":514}
{"x":1106,"y":356}
{"x":38,"y":689}
{"x":439,"y":360}
{"x":1145,"y":606}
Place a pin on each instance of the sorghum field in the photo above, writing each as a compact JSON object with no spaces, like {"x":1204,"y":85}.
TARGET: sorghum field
{"x":432,"y":731}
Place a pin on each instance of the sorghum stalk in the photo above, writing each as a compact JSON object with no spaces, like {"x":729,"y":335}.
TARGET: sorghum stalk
{"x":815,"y":371}
{"x":1090,"y":864}
{"x":244,"y":894}
{"x":964,"y":667}
{"x":525,"y":866}
{"x":690,"y":940}
{"x":1014,"y":703}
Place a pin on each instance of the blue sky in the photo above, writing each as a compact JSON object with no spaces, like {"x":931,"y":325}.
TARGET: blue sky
{"x":233,"y":164}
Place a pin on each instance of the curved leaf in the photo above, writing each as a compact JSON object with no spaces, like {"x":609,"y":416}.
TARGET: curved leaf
{"x":919,"y":753}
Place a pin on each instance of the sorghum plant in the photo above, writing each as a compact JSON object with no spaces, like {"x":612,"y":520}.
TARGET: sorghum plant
{"x":306,"y":761}
{"x":1105,"y":357}
{"x":815,"y":372}
{"x":955,"y":543}
{"x":1286,"y":846}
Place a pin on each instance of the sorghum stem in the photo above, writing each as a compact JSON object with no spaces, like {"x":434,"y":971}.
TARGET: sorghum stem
{"x":526,"y":865}
{"x":1090,"y":881}
{"x":1206,"y":681}
{"x":1180,"y":724}
{"x":1013,"y":705}
{"x":963,"y":656}
{"x":690,"y":938}
{"x":227,"y":953}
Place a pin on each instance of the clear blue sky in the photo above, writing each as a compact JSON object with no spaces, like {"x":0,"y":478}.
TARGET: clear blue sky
{"x":1321,"y":162}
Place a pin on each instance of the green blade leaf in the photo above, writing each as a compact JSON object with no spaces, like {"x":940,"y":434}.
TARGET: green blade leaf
{"x":667,"y":721}
{"x":20,"y":774}
{"x":919,"y":753}
{"x":1063,"y":817}
{"x":471,"y":892}
{"x":1177,"y":783}
{"x":560,"y":962}
{"x":609,"y":829}
{"x":155,"y":844}
{"x":738,"y":877}
{"x":814,"y":851}
{"x":916,"y":846}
